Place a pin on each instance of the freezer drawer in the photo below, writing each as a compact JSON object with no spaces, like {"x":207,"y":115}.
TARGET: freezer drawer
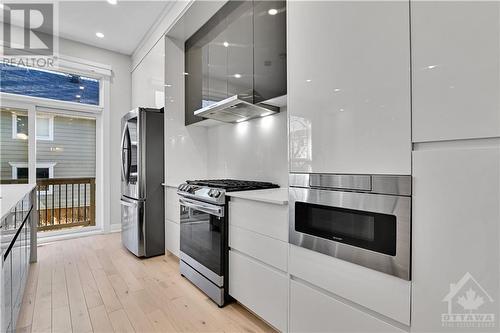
{"x":132,"y":212}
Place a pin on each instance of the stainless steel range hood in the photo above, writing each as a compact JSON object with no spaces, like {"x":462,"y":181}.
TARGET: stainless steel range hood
{"x":235,"y":110}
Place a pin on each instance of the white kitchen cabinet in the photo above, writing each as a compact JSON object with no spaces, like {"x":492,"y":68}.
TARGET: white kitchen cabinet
{"x":349,"y":87}
{"x":172,"y":237}
{"x":260,"y":288}
{"x":264,"y":218}
{"x":148,"y":79}
{"x":314,"y":311}
{"x":379,"y":292}
{"x":455,"y":230}
{"x":455,"y":55}
{"x":266,"y":249}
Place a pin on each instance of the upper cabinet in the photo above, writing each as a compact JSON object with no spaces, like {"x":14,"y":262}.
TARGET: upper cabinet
{"x":240,"y":51}
{"x":456,"y":89}
{"x":269,"y":49}
{"x":148,"y":79}
{"x":349,"y":87}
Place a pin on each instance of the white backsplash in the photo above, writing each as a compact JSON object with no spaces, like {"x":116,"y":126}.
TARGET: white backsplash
{"x":251,"y":150}
{"x":185,"y":146}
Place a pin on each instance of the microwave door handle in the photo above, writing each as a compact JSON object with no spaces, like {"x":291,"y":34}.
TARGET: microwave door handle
{"x":207,"y":208}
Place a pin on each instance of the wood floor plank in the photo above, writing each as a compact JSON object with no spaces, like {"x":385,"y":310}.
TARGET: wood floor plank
{"x":28,"y":304}
{"x":109,"y":289}
{"x":137,"y":317}
{"x":61,"y":319}
{"x":80,"y":319}
{"x":100,"y":320}
{"x":89,"y":286}
{"x":106,"y":291}
{"x":120,"y":321}
{"x":42,"y":313}
{"x":160,"y":322}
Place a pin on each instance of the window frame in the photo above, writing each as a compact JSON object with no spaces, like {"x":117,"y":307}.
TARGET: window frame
{"x":41,"y":165}
{"x":50,"y":137}
{"x":101,"y":112}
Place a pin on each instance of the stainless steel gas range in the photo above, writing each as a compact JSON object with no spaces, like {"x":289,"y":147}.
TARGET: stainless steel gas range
{"x":204,"y":232}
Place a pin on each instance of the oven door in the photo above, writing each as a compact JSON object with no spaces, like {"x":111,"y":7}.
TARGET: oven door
{"x":371,"y":230}
{"x":202,"y":238}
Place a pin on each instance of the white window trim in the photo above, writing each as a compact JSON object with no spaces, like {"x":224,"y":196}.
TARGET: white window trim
{"x":100,"y":112}
{"x":50,"y":137}
{"x":48,"y":165}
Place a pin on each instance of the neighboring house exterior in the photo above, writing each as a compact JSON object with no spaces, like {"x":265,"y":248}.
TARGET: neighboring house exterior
{"x":66,"y":146}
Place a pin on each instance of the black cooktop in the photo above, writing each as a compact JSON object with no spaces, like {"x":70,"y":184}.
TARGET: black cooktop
{"x":232,"y":185}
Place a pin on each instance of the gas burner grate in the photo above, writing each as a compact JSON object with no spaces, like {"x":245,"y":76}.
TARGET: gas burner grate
{"x":233,"y":184}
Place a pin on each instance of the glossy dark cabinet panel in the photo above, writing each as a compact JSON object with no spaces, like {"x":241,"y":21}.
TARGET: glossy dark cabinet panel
{"x":240,"y":51}
{"x":269,"y":50}
{"x":239,"y":39}
{"x":196,"y":80}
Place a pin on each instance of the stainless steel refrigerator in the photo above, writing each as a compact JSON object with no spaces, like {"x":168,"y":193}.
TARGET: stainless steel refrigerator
{"x":142,"y":170}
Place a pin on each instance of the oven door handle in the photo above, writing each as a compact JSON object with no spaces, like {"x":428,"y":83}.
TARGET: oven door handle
{"x":201,"y":206}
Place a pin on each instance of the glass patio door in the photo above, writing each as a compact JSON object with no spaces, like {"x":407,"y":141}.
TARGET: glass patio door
{"x":15,"y":132}
{"x":65,"y":169}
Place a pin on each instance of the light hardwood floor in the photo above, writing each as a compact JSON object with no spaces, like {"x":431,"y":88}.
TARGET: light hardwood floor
{"x":94,"y":284}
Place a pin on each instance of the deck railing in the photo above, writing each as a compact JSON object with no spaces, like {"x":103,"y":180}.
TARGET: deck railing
{"x":65,"y":203}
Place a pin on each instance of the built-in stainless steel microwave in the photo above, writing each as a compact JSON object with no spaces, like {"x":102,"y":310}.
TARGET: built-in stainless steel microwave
{"x":363,"y":219}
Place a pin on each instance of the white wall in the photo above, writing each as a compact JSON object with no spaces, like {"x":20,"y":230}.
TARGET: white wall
{"x":120,"y":92}
{"x":251,"y":150}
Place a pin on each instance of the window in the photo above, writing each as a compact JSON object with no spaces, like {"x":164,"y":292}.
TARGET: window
{"x":49,"y":84}
{"x":43,"y":171}
{"x":44,"y":127}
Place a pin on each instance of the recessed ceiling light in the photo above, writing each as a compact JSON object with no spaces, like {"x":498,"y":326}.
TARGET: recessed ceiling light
{"x":272,"y":11}
{"x":113,"y":2}
{"x":99,"y":34}
{"x":431,"y":66}
{"x":226,"y":44}
{"x":78,"y":96}
{"x":237,"y":75}
{"x":82,"y":87}
{"x":308,"y":80}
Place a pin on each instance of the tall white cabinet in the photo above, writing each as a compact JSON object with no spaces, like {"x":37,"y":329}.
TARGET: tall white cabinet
{"x":456,"y":66}
{"x":349,"y":87}
{"x":456,"y":161}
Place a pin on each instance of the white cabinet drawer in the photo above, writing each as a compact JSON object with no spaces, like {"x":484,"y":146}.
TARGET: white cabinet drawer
{"x":313,"y":311}
{"x":382,"y":293}
{"x":172,"y":237}
{"x":260,"y":288}
{"x":269,"y":250}
{"x":267,"y":219}
{"x":172,"y":206}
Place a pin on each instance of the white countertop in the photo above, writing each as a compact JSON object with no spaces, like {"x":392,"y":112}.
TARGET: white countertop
{"x":11,"y":194}
{"x":277,"y":196}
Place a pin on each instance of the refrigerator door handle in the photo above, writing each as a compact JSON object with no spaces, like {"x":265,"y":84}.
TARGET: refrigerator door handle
{"x":128,"y":204}
{"x":124,"y":173}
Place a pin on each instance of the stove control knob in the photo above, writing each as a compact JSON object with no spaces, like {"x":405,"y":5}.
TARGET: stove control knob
{"x":216,"y":193}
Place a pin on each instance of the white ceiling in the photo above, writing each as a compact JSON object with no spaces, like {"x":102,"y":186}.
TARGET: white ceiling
{"x":124,"y":25}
